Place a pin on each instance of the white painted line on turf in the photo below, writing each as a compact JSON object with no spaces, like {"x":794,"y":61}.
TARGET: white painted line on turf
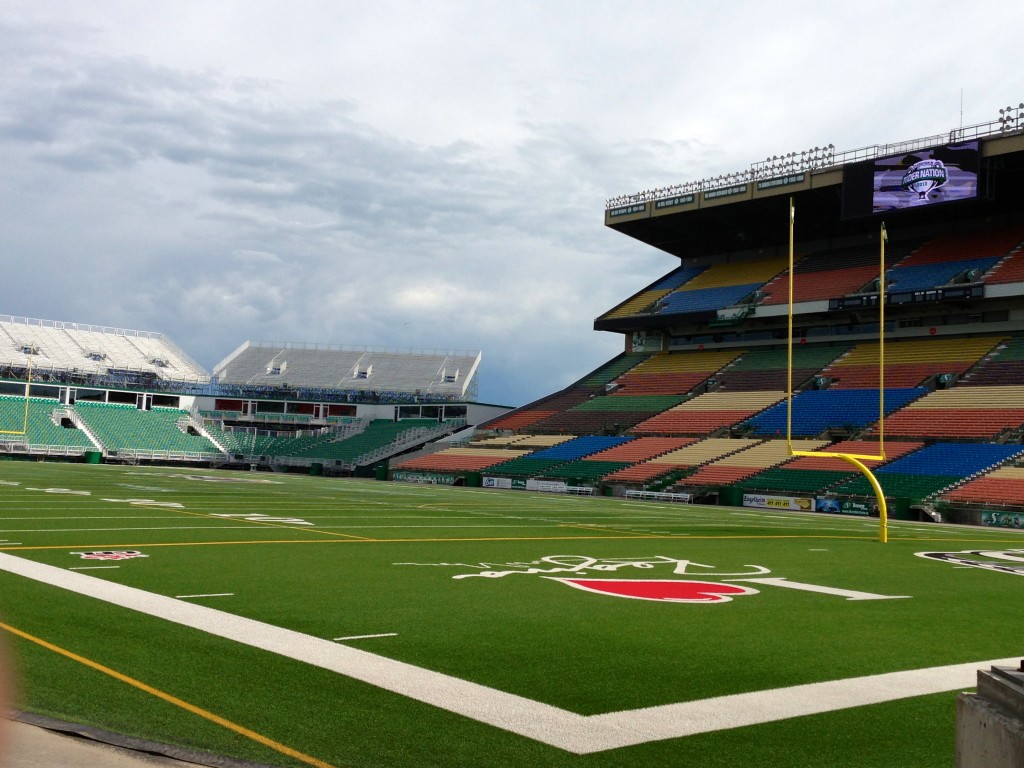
{"x":212,"y":594}
{"x":366,"y":637}
{"x":94,"y":567}
{"x":579,"y":734}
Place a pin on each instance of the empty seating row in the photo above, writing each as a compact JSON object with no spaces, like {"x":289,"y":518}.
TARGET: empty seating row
{"x":125,"y":428}
{"x":692,"y":455}
{"x":1003,"y":486}
{"x":642,"y":301}
{"x":814,"y":411}
{"x":768,"y":369}
{"x":720,"y":286}
{"x":932,"y":469}
{"x":818,"y":473}
{"x":907,"y":363}
{"x":965,"y":246}
{"x":461,"y":459}
{"x":747,"y":462}
{"x":708,"y":412}
{"x":961,"y":412}
{"x":674,"y":372}
{"x":1004,"y":364}
{"x":41,"y":428}
{"x":924,"y":276}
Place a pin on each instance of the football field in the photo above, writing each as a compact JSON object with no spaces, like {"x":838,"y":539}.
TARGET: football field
{"x":290,"y":620}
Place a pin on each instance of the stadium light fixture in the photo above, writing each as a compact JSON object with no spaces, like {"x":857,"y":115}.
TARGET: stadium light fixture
{"x":1010,"y":117}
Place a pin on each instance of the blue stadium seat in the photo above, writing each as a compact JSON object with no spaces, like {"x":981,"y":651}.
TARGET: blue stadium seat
{"x":705,"y":299}
{"x":924,"y":276}
{"x":676,"y":278}
{"x":952,"y":459}
{"x":580,"y":447}
{"x":817,"y":410}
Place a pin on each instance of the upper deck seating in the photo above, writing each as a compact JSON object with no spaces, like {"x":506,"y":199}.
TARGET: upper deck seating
{"x":641,"y":302}
{"x":720,"y":286}
{"x":95,"y":350}
{"x":908,"y":362}
{"x":943,"y":258}
{"x":1009,"y":270}
{"x":830,"y":274}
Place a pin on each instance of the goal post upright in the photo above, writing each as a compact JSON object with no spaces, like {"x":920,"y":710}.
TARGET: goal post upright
{"x":854,"y":459}
{"x":24,"y":425}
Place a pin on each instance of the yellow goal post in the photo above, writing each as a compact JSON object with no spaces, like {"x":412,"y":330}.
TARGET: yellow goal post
{"x":854,"y":459}
{"x":24,"y":425}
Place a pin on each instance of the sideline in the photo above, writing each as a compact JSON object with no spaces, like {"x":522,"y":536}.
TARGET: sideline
{"x":547,"y":724}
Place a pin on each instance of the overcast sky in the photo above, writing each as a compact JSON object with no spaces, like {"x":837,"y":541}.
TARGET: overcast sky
{"x":426,"y":175}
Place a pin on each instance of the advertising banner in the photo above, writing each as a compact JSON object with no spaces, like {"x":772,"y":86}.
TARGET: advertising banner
{"x":762,"y":501}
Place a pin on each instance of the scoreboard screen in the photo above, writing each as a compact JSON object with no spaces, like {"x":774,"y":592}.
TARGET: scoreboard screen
{"x":910,"y":180}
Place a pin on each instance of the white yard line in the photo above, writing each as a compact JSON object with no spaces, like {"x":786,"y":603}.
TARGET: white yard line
{"x":94,"y":567}
{"x":211,"y":594}
{"x":550,"y":725}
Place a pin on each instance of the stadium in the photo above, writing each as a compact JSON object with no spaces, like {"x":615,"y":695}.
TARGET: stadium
{"x":460,"y":561}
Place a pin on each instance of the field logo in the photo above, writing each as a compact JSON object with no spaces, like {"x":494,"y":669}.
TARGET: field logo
{"x":1004,"y":561}
{"x":107,"y":554}
{"x":699,"y":583}
{"x":668,"y":590}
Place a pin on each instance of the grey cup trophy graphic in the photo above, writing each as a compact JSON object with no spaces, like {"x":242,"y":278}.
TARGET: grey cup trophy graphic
{"x":924,"y":177}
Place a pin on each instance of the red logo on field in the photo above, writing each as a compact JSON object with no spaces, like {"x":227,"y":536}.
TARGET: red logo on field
{"x":672,"y":591}
{"x":124,"y":554}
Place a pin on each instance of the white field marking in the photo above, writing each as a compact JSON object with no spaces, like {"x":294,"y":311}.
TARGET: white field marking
{"x":849,"y":594}
{"x":93,"y":567}
{"x":211,"y":594}
{"x":550,"y":725}
{"x":366,"y":637}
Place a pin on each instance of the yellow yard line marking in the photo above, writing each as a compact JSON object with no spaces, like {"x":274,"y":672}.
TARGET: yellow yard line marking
{"x":170,"y":699}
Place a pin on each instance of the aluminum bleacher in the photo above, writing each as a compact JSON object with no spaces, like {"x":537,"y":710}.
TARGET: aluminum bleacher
{"x":54,"y":346}
{"x":445,"y":374}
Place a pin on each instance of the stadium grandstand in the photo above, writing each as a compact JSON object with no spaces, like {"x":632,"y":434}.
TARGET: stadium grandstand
{"x":79,"y":392}
{"x":715,"y":353}
{"x":719,"y":368}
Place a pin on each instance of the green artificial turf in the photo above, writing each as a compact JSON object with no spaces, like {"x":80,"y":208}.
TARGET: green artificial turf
{"x":349,"y":558}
